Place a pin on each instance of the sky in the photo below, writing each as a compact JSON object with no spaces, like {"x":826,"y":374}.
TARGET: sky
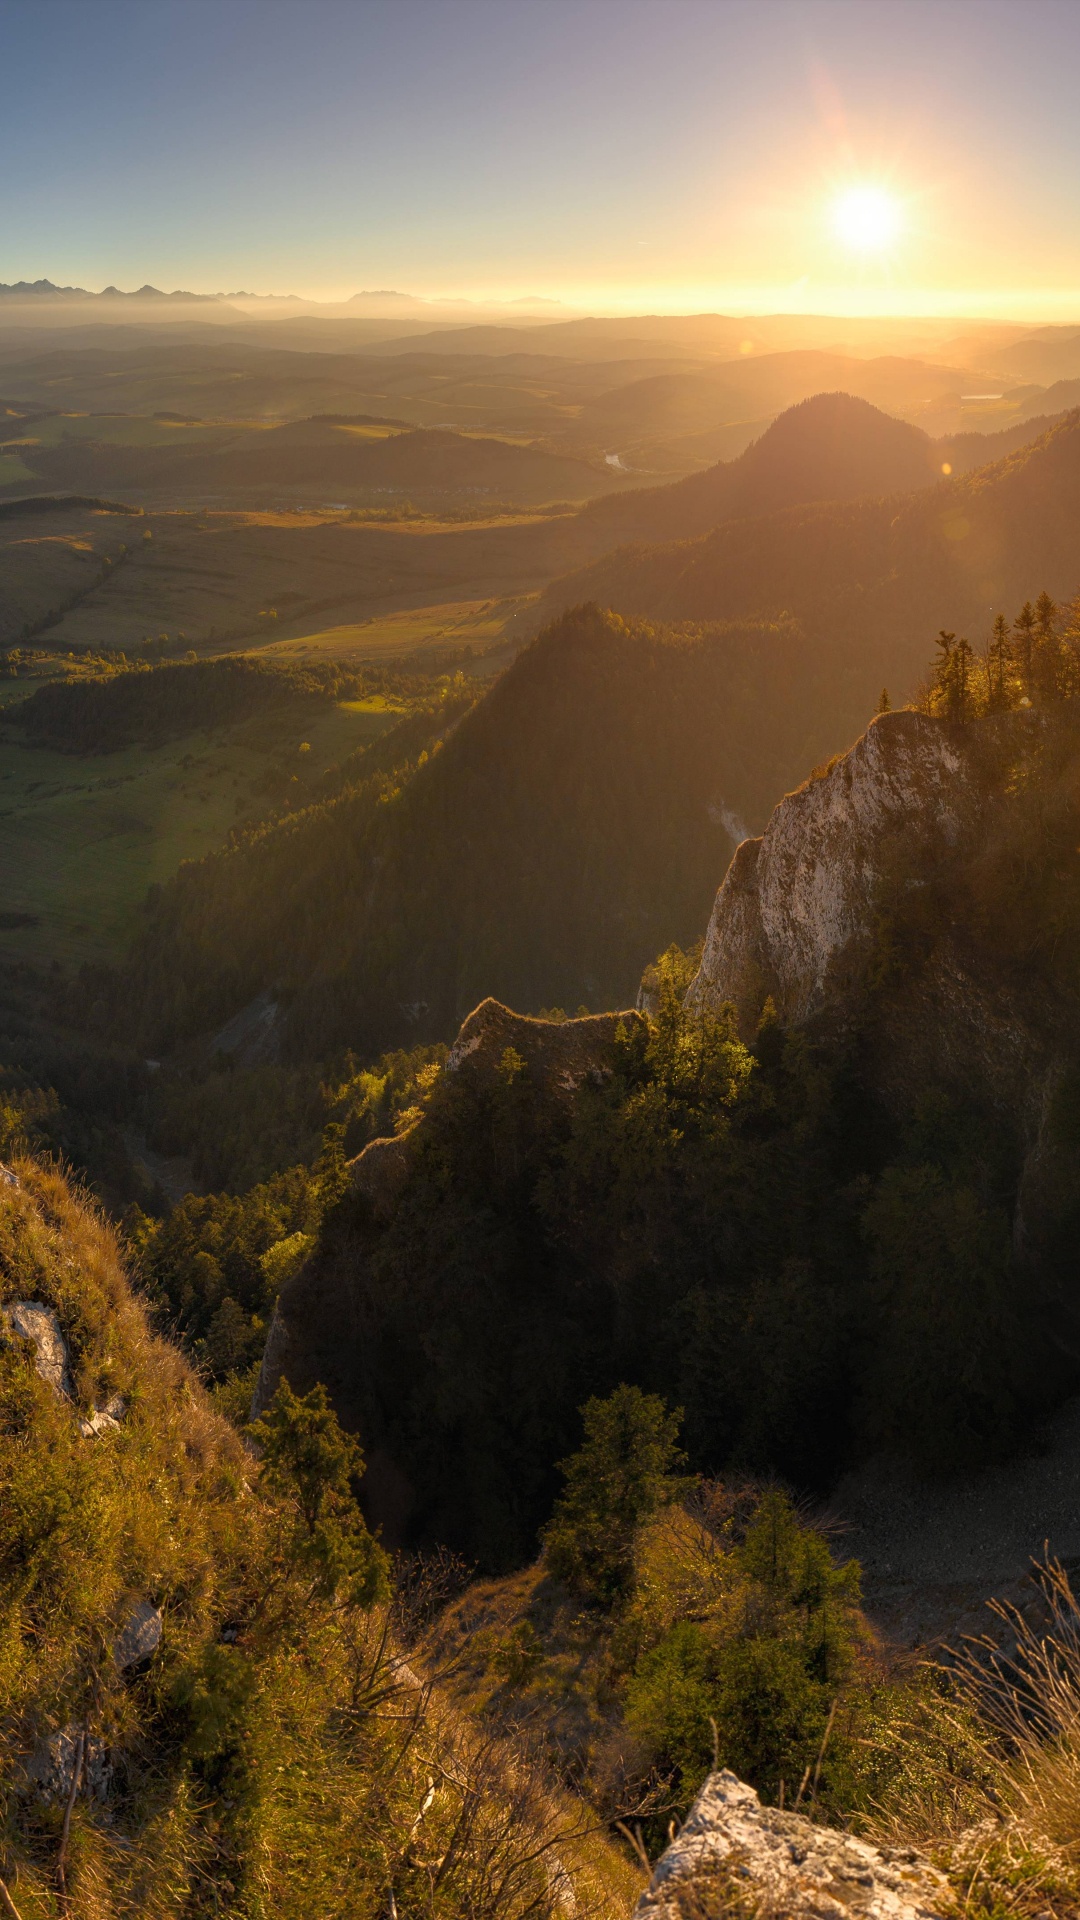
{"x":616,"y":155}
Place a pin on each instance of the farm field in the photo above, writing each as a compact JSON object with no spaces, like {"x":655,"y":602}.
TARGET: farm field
{"x":453,"y":624}
{"x":211,"y":581}
{"x":82,"y":837}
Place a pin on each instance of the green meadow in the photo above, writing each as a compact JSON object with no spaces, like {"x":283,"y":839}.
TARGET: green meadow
{"x":82,"y":837}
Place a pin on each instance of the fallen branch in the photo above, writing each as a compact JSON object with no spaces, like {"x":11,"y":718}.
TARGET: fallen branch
{"x":8,"y":1903}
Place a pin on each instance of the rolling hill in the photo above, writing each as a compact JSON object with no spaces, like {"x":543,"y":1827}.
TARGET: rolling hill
{"x":364,"y":463}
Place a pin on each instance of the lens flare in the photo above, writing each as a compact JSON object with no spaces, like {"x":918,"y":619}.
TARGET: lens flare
{"x":866,"y":218}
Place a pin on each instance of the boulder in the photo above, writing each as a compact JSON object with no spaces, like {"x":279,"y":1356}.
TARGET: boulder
{"x":32,"y":1320}
{"x":104,"y":1419}
{"x":51,"y":1767}
{"x":735,"y":1857}
{"x":139,"y":1637}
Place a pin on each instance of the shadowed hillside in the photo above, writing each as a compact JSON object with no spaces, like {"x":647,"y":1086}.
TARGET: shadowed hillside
{"x":573,"y":825}
{"x":876,"y":575}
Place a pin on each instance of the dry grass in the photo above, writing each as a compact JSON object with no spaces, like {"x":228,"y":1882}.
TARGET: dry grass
{"x":320,"y":1774}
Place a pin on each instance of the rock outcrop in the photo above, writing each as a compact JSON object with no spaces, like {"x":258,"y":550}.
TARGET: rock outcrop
{"x":795,"y":911}
{"x":32,"y":1320}
{"x":735,"y":1857}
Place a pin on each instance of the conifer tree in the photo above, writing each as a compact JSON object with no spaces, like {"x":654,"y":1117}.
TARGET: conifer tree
{"x":626,"y":1469}
{"x":1024,"y":629}
{"x":1046,"y":663}
{"x":998,"y":667}
{"x":952,"y":677}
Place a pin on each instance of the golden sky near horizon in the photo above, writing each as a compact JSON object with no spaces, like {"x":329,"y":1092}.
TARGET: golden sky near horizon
{"x":848,"y":156}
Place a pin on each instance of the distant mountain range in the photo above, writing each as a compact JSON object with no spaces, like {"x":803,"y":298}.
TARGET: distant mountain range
{"x":47,"y":290}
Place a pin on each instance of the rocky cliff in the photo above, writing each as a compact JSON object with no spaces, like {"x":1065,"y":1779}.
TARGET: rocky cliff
{"x":797,"y":909}
{"x":913,"y":901}
{"x":857,"y":1234}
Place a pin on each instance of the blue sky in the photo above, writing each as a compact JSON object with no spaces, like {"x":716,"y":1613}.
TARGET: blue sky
{"x":668,"y":153}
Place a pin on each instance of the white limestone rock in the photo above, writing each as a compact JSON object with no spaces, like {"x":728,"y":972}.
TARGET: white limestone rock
{"x":32,"y":1320}
{"x":104,"y":1419}
{"x":736,"y":1857}
{"x":799,"y":902}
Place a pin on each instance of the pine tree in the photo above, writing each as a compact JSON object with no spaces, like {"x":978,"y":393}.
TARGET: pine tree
{"x":1024,"y":629}
{"x":998,"y":667}
{"x":941,"y":678}
{"x":963,"y":692}
{"x":1069,"y":641}
{"x":1046,"y":657}
{"x":952,"y":678}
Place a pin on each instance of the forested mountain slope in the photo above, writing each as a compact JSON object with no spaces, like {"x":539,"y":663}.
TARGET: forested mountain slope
{"x":875,"y":576}
{"x":571,"y":826}
{"x":851,"y":1228}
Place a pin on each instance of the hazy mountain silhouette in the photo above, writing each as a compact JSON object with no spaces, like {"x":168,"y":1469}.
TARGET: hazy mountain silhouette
{"x":877,"y":577}
{"x":831,"y":447}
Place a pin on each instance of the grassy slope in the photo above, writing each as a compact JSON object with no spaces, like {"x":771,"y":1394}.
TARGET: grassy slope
{"x":49,"y":560}
{"x":267,"y":1758}
{"x":278,"y":465}
{"x":218,"y":578}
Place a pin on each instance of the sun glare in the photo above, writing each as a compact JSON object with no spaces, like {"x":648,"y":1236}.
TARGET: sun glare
{"x":866,"y":218}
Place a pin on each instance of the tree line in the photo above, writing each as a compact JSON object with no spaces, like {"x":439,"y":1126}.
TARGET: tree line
{"x":1033,"y":660}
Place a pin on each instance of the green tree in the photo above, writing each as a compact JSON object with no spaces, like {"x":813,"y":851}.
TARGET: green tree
{"x":625,"y":1471}
{"x":309,"y":1463}
{"x":793,"y":1568}
{"x":753,"y":1682}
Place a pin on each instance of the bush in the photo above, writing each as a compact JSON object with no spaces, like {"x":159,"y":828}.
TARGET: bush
{"x":751,"y":1680}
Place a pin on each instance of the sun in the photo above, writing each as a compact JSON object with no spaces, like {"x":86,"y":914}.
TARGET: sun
{"x":866,"y":218}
